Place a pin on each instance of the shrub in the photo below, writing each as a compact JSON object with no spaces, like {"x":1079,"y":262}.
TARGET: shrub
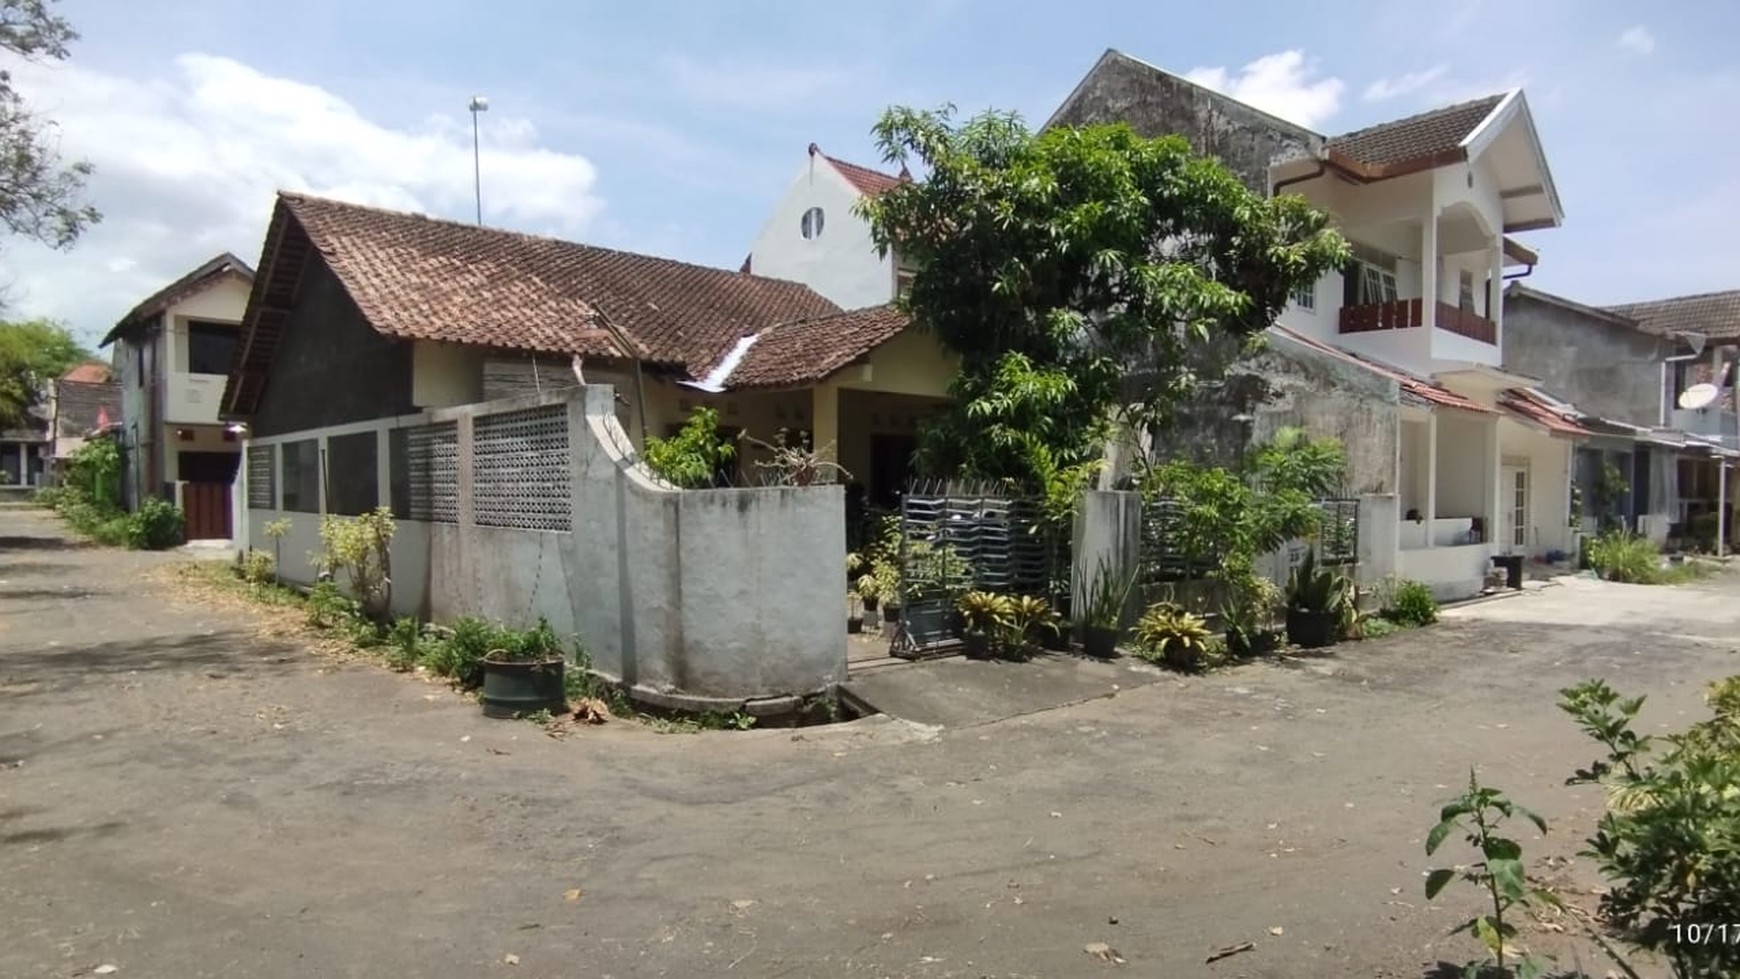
{"x":406,"y":645}
{"x":328,"y":606}
{"x":1411,"y":603}
{"x":1168,"y":634}
{"x":459,"y":654}
{"x":1670,"y":840}
{"x":691,"y":458}
{"x":361,"y":547}
{"x":157,"y":525}
{"x":258,"y":568}
{"x":1620,"y":556}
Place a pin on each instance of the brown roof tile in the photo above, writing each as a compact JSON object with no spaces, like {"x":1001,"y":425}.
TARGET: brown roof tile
{"x":866,"y":180}
{"x":1416,"y":138}
{"x":1412,"y":386}
{"x":89,"y":372}
{"x":1714,"y":314}
{"x":187,"y":285}
{"x":1526,"y":406}
{"x":423,"y":278}
{"x":806,"y":351}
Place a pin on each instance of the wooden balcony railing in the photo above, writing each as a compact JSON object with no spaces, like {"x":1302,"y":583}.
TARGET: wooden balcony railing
{"x":1406,"y":314}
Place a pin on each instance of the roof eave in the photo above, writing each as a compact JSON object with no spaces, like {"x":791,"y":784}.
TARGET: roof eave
{"x":1515,"y":107}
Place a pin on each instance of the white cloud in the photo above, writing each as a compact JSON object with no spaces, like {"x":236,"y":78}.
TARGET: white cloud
{"x":187,"y":165}
{"x":1408,"y":84}
{"x":1281,"y":84}
{"x":755,"y":87}
{"x":1637,"y":40}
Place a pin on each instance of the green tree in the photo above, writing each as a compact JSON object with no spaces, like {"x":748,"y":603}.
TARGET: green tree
{"x":1057,"y":264}
{"x":40,"y":195}
{"x":32,"y":353}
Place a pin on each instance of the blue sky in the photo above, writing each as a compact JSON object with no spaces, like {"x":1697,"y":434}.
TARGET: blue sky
{"x":672,"y":128}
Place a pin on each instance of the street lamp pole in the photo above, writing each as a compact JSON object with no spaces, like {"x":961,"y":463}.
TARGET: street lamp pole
{"x":478,"y":104}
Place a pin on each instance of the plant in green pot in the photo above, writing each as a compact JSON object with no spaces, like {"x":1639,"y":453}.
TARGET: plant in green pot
{"x":523,"y":672}
{"x":986,"y":621}
{"x":1316,"y":599}
{"x":1107,"y":596}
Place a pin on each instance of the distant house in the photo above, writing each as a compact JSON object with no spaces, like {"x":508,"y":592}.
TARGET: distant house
{"x":23,"y":454}
{"x":173,"y":352}
{"x":81,"y":402}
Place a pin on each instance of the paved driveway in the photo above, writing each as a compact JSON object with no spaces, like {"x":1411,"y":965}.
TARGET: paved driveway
{"x":180,"y":797}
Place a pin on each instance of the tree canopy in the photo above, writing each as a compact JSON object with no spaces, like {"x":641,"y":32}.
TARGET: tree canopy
{"x":1058,"y":264}
{"x":41,"y":196}
{"x":32,"y":353}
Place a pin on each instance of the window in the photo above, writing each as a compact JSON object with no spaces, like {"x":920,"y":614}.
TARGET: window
{"x":1306,"y":298}
{"x":811,"y":224}
{"x":210,"y":347}
{"x":1519,"y":508}
{"x":353,"y":483}
{"x":302,"y":476}
{"x":1370,"y":278}
{"x":1465,"y":290}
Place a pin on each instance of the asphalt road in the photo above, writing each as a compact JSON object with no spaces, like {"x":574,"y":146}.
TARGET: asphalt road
{"x":184,"y":794}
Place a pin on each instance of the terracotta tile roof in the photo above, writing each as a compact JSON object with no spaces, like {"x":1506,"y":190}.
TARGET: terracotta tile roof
{"x":1413,"y":387}
{"x":89,"y":372}
{"x":423,"y":278}
{"x":214,"y":268}
{"x":1415,"y":138}
{"x":1714,"y":314}
{"x":867,"y":181}
{"x":1526,"y":406}
{"x":806,"y":351}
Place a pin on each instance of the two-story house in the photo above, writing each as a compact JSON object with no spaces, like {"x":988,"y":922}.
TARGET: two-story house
{"x":173,"y":352}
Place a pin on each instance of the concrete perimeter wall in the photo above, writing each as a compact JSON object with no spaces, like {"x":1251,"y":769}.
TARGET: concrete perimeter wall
{"x":531,"y":507}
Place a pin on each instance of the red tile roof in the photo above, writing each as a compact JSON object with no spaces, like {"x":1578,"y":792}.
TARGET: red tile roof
{"x":1412,"y":386}
{"x":89,"y":372}
{"x":213,"y":269}
{"x":1417,"y":138}
{"x":806,"y":351}
{"x":866,"y":180}
{"x":1714,"y":314}
{"x":1526,"y":406}
{"x":423,"y":278}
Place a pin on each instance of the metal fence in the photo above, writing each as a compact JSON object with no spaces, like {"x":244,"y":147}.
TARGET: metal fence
{"x":956,"y":538}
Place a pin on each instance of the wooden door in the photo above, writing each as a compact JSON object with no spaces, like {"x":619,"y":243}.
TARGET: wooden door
{"x":207,"y":507}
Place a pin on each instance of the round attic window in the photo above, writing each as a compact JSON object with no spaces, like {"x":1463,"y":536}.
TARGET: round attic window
{"x":812,"y":223}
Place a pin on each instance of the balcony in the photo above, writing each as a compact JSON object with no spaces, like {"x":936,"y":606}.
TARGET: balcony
{"x":192,"y":399}
{"x":1406,"y":314}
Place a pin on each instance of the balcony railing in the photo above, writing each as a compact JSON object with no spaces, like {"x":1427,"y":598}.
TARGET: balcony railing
{"x":1406,"y":314}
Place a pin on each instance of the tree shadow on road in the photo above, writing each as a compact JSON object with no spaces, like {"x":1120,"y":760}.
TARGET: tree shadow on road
{"x":55,"y":834}
{"x":43,"y":669}
{"x":44,"y":543}
{"x":24,"y":594}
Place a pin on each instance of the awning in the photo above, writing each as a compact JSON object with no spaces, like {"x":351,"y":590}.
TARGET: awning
{"x":1532,"y":410}
{"x":1413,"y":387}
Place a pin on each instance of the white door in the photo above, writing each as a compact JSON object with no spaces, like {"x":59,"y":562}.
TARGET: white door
{"x":1514,"y":512}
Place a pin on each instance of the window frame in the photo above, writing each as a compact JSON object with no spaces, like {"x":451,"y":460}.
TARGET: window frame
{"x":209,"y":330}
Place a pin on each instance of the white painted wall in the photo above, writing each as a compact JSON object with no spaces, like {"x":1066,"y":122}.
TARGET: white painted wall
{"x":1548,"y":463}
{"x":841,"y":263}
{"x":1453,"y":573}
{"x":1464,"y":481}
{"x":716,"y":594}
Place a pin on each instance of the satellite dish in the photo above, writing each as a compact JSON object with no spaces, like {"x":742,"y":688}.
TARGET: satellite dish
{"x":1699,"y":396}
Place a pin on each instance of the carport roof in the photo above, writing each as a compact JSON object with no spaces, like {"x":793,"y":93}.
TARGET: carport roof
{"x":1414,"y":388}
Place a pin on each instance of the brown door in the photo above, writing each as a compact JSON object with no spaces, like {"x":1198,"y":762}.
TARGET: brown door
{"x":207,"y":506}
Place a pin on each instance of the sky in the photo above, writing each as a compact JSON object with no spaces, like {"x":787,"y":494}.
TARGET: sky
{"x":672,"y":128}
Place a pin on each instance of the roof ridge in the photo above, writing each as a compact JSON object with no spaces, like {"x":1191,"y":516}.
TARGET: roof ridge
{"x":1495,"y":99}
{"x":1674,"y":299}
{"x":294,"y":196}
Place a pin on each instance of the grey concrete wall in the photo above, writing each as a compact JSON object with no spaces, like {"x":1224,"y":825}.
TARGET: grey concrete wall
{"x":1606,"y":369}
{"x":331,"y":367}
{"x":1331,"y":397}
{"x":1157,"y":103}
{"x":1108,"y":528}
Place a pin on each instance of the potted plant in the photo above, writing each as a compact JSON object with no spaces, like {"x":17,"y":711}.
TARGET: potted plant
{"x":869,"y":589}
{"x":986,"y":619}
{"x":854,"y":615}
{"x":1108,"y":594}
{"x":523,"y":672}
{"x":1315,"y":600}
{"x":1248,"y":614}
{"x":1167,"y":634}
{"x":1032,"y":623}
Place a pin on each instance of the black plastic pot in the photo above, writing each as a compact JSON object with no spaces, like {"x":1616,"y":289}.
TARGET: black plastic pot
{"x":1100,"y":641}
{"x":891,"y":612}
{"x":855,"y":624}
{"x":976,"y":645}
{"x":1056,"y":640}
{"x":1238,"y":645}
{"x":518,"y":688}
{"x":870,"y":603}
{"x":1313,"y":630}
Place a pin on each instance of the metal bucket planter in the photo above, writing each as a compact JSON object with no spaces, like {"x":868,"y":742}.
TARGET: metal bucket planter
{"x":515,"y":688}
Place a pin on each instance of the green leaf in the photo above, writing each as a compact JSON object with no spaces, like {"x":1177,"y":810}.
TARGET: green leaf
{"x":1487,"y":931}
{"x":1436,"y":880}
{"x":1435,"y":838}
{"x":1508,"y":877}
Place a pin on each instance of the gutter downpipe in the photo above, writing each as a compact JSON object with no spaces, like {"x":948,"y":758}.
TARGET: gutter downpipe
{"x":1322,"y":168}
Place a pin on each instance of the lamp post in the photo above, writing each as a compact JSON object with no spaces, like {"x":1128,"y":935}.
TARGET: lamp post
{"x":478,"y":104}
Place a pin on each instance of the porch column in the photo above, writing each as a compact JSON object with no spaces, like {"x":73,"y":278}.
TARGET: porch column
{"x":1494,"y":486}
{"x":1429,"y":271}
{"x":825,"y":418}
{"x":1495,"y":293}
{"x":1431,"y":476}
